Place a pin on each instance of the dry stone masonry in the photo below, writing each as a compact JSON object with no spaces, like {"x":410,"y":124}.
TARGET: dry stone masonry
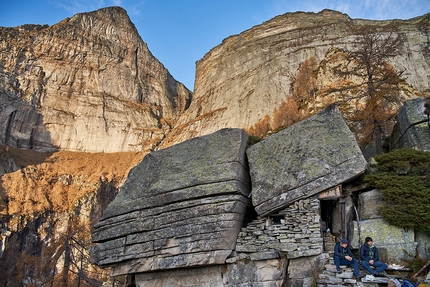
{"x":294,"y":231}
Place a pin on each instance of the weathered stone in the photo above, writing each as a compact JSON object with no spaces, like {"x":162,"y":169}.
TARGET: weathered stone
{"x":304,"y":253}
{"x":186,"y":168}
{"x":391,"y":240}
{"x":180,"y":207}
{"x":369,"y":203}
{"x":302,"y":160}
{"x":345,"y":275}
{"x":423,"y":247}
{"x":264,"y":255}
{"x":262,"y":273}
{"x":413,"y":126}
{"x":268,"y":273}
{"x":315,"y":263}
{"x":182,"y":277}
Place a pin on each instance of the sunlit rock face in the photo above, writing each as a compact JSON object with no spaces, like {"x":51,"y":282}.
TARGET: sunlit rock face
{"x":247,"y":76}
{"x":88,"y":83}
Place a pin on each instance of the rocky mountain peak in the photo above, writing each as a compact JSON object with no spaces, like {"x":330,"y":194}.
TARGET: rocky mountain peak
{"x":112,"y":23}
{"x":68,"y":86}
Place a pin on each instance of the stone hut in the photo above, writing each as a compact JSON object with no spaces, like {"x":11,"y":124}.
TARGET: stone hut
{"x":212,"y":211}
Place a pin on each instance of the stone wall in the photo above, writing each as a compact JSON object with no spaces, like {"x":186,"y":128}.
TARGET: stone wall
{"x":294,"y":231}
{"x":270,"y":251}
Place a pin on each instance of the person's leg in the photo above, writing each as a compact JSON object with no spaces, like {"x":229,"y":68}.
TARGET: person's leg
{"x":336,"y":260}
{"x":380,"y":266}
{"x":366,"y":266}
{"x":356,"y":270}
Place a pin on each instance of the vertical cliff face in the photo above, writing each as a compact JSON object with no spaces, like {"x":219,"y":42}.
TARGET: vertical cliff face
{"x":68,"y":86}
{"x":250,"y":74}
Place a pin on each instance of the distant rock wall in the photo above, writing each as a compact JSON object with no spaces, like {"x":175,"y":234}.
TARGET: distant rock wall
{"x":88,"y":83}
{"x":251,"y":73}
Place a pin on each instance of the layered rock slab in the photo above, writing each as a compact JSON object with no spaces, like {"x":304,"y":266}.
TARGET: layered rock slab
{"x":303,"y":160}
{"x":181,"y":206}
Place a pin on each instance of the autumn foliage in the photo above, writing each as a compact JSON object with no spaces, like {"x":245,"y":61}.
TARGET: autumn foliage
{"x":361,"y":81}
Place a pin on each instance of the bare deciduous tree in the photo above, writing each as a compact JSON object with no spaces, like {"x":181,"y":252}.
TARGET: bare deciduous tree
{"x":376,"y":83}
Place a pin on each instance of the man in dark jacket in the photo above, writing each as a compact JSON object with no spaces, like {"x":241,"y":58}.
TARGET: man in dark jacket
{"x":369,"y":256}
{"x":343,"y":256}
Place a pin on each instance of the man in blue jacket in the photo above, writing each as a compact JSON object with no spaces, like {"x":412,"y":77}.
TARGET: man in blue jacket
{"x":369,"y":256}
{"x":343,"y":256}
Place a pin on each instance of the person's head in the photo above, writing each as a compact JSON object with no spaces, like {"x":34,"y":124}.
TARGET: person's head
{"x":344,"y":242}
{"x":368,"y":241}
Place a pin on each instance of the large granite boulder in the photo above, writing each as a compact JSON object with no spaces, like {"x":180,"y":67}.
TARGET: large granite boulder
{"x":302,"y":160}
{"x":395,"y":244}
{"x":413,"y":127}
{"x":369,"y":204}
{"x":181,"y":206}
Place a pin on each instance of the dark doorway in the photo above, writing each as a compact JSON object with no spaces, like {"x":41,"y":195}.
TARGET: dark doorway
{"x":327,"y":208}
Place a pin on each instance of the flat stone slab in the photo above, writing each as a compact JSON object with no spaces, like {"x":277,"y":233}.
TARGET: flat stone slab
{"x":309,"y":157}
{"x":182,"y":206}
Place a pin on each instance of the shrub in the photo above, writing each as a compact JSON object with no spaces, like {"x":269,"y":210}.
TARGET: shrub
{"x":403,"y":176}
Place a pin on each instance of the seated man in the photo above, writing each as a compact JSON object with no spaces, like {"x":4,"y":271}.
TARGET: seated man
{"x":369,"y":256}
{"x":343,"y":256}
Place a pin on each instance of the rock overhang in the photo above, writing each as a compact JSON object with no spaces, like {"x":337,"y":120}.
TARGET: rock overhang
{"x":181,"y":206}
{"x":307,"y":158}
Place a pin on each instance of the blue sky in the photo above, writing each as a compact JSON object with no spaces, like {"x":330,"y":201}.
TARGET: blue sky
{"x":180,"y":32}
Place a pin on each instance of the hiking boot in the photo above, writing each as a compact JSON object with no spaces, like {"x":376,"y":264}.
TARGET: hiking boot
{"x":359,"y":276}
{"x":338,"y":271}
{"x":379,"y":275}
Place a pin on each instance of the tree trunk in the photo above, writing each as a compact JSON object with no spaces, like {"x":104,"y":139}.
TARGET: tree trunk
{"x":66,"y":266}
{"x":378,"y":138}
